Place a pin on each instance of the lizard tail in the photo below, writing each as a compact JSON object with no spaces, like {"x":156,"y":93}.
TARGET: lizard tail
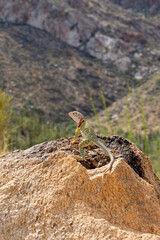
{"x":106,"y":150}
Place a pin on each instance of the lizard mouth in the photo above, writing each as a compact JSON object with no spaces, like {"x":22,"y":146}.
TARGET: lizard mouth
{"x":69,"y":114}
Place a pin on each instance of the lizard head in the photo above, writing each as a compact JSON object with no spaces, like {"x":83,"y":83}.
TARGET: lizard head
{"x":76,"y":116}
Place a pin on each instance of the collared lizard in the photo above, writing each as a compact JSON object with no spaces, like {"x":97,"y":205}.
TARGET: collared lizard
{"x":89,"y":137}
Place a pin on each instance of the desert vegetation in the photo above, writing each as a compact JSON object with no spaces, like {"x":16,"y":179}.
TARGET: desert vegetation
{"x":25,"y":129}
{"x":5,"y":114}
{"x":147,"y":140}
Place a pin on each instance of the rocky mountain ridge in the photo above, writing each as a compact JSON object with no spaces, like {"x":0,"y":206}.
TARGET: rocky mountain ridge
{"x":49,"y":77}
{"x":95,"y":27}
{"x":54,"y":53}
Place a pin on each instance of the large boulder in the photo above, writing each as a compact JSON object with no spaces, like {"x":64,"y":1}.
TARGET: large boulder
{"x":46,"y":194}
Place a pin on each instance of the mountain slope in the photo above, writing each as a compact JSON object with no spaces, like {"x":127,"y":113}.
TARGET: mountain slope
{"x":50,"y":77}
{"x":148,"y":7}
{"x":122,"y":39}
{"x":145,"y":98}
{"x":82,"y":46}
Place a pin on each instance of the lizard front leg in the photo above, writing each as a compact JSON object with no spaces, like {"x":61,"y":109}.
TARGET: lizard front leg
{"x":83,"y":144}
{"x":76,"y":135}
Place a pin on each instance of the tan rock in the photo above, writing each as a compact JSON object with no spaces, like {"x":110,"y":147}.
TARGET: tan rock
{"x":55,"y":197}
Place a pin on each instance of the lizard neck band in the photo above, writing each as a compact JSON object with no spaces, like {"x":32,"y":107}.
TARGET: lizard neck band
{"x":80,"y":122}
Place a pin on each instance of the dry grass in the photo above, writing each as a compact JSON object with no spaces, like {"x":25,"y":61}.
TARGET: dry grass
{"x":150,"y":93}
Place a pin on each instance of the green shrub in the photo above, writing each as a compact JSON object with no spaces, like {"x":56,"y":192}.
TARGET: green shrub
{"x":103,"y":129}
{"x":28,"y":129}
{"x":130,"y":130}
{"x":5,"y":111}
{"x":106,"y":113}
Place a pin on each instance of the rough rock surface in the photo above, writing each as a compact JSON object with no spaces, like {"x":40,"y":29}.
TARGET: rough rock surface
{"x":151,"y":7}
{"x":46,"y":194}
